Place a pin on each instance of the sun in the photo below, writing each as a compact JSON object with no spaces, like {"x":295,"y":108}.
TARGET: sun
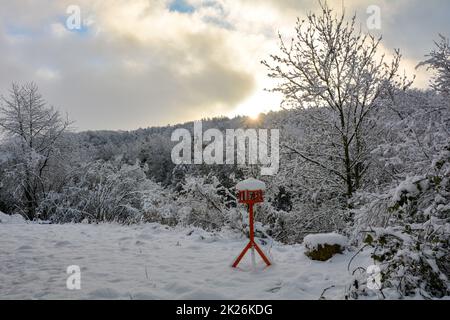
{"x":254,"y":116}
{"x":256,"y":104}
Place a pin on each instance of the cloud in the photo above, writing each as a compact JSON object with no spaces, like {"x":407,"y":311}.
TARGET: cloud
{"x":139,"y":65}
{"x":153,"y":62}
{"x":47,"y":74}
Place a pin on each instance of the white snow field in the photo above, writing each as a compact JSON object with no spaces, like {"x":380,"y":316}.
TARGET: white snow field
{"x":151,"y":261}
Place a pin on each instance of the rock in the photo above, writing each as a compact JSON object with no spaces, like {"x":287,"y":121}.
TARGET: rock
{"x":322,"y":247}
{"x":324,"y":252}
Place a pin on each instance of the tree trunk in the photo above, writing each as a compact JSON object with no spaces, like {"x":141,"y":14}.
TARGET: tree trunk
{"x":348,"y":169}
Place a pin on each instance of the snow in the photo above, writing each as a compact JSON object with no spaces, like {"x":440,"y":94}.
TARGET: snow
{"x":410,"y":187}
{"x":251,"y":184}
{"x":13,"y":219}
{"x":151,"y":261}
{"x":312,"y":241}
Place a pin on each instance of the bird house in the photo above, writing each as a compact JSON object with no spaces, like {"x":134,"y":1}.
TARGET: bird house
{"x":250,"y":192}
{"x":251,"y":196}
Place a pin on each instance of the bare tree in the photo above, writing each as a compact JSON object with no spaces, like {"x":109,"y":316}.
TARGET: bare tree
{"x":36,"y":128}
{"x":331,"y":64}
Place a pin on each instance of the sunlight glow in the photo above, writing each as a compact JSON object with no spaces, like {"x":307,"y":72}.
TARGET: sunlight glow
{"x":260,"y":102}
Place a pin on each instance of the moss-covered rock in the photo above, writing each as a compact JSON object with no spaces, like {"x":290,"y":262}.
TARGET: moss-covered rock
{"x":324,"y":252}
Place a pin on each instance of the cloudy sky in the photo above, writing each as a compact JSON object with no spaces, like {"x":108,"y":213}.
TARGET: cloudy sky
{"x":139,"y":63}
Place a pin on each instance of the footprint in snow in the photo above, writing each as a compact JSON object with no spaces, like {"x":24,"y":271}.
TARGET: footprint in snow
{"x":25,"y":247}
{"x":62,"y":244}
{"x":145,"y":236}
{"x":104,"y":293}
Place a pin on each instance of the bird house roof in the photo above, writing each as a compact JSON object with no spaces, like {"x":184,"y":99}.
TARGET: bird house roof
{"x":251,"y":184}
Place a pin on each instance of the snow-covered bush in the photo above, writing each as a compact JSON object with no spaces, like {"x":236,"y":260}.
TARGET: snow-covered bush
{"x":99,"y":191}
{"x":160,"y":205}
{"x":411,"y":242}
{"x":305,"y":218}
{"x":206,"y":203}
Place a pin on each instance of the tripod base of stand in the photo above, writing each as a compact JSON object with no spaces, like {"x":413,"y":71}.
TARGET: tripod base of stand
{"x":251,"y":244}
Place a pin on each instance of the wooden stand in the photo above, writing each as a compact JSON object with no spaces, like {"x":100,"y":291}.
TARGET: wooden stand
{"x":251,"y":197}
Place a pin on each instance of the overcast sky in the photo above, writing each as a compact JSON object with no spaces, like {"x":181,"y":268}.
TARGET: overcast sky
{"x":139,"y":63}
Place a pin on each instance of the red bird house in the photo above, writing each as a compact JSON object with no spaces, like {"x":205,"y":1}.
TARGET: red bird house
{"x":251,"y":191}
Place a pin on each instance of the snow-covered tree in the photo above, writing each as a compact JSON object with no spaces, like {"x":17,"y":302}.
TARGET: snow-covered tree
{"x":34,"y":128}
{"x":439,"y":61}
{"x":332,"y":66}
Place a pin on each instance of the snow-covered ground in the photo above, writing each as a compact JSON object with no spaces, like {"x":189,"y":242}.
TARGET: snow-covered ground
{"x":156,"y":262}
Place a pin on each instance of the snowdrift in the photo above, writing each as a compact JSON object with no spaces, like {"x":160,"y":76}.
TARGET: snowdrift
{"x":13,"y":219}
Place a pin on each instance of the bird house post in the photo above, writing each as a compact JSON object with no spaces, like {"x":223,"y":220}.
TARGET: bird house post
{"x":250,"y":192}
